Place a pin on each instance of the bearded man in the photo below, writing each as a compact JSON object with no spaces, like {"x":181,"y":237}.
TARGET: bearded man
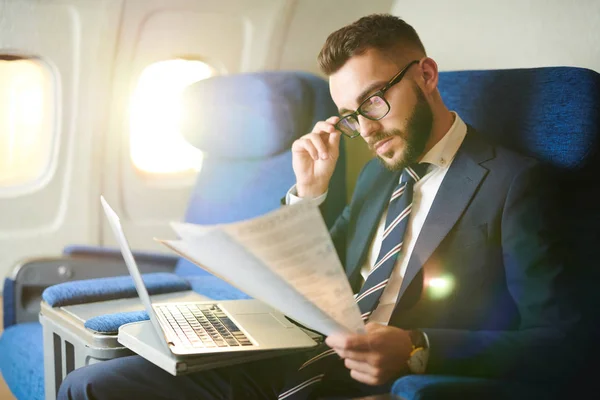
{"x":446,"y":243}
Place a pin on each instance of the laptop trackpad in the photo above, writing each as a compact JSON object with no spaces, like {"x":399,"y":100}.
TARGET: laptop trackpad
{"x":283,"y":320}
{"x":263,"y":320}
{"x":270,"y":332}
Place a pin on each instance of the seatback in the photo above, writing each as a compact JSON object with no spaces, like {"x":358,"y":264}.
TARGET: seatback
{"x":552,"y":114}
{"x":245,"y":125}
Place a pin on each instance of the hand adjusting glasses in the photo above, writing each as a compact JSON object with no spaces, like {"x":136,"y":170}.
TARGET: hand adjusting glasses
{"x":375,"y":107}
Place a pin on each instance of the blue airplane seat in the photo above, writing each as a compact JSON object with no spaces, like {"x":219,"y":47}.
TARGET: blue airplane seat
{"x":245,"y":125}
{"x":245,"y":174}
{"x":552,"y":114}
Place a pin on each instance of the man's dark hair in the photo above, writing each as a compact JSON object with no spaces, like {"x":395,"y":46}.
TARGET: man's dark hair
{"x":378,"y":31}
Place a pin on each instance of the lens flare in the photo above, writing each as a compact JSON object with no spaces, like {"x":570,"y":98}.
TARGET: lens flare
{"x":439,"y":287}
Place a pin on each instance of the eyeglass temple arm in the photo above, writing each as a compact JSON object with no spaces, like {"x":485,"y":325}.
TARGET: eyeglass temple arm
{"x":398,"y":76}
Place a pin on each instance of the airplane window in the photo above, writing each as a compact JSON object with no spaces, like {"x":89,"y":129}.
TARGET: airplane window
{"x":27,"y":130}
{"x":156,"y":145}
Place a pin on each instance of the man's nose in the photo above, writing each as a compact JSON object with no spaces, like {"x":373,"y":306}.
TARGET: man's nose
{"x":368,"y":126}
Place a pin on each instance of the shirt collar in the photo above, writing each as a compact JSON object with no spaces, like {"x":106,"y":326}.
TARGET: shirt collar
{"x":443,"y":152}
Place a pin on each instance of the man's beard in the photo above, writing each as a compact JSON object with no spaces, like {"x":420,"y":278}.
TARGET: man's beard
{"x":418,"y":132}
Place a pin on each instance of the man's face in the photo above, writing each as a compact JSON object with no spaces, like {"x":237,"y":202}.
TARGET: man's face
{"x":400,"y":137}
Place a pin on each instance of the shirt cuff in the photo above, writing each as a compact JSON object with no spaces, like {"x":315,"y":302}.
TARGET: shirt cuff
{"x":291,"y":197}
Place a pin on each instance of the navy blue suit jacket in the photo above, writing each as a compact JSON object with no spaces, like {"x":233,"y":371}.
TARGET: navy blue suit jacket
{"x":490,"y":233}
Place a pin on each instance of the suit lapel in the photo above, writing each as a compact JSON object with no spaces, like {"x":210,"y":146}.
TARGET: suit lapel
{"x":368,"y":220}
{"x":458,"y":187}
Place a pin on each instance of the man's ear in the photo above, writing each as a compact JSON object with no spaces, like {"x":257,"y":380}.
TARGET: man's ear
{"x":430,"y":75}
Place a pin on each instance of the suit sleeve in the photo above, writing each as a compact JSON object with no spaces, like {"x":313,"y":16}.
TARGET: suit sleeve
{"x":534,"y":273}
{"x":339,"y":230}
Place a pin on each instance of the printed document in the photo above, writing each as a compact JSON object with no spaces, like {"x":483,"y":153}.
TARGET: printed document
{"x":285,"y":258}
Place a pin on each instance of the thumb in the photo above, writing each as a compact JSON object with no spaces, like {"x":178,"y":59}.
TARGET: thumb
{"x":373,"y":327}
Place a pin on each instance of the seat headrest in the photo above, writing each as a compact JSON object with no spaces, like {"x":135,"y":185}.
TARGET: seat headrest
{"x":253,"y":115}
{"x":550,"y":113}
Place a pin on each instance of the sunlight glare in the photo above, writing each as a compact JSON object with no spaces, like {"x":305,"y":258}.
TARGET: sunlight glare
{"x":157,"y":146}
{"x":26,"y":129}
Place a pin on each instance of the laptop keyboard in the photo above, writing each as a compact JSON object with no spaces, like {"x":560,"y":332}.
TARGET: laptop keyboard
{"x":203,"y":326}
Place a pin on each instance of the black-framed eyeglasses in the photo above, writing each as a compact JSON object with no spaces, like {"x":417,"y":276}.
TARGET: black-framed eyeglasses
{"x":374,"y":107}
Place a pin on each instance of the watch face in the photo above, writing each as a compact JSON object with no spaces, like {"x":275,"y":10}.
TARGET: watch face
{"x":418,"y":361}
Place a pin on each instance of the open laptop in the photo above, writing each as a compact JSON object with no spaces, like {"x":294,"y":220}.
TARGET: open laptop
{"x":209,"y":327}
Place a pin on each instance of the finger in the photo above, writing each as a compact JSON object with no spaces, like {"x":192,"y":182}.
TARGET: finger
{"x":334,"y":140}
{"x":305,"y":145}
{"x":344,"y":341}
{"x":364,"y":378}
{"x":333,"y":120}
{"x":361,"y":356}
{"x":360,"y":366}
{"x":323,"y":126}
{"x":373,"y":326}
{"x":319,"y":144}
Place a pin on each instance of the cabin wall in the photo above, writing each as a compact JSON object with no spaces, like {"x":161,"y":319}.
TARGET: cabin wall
{"x":97,"y":49}
{"x":75,"y":44}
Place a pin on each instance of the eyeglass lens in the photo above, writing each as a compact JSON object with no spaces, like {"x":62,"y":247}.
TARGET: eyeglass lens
{"x":373,"y":108}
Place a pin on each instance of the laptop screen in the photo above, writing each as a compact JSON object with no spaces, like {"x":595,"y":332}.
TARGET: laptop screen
{"x":115,"y":224}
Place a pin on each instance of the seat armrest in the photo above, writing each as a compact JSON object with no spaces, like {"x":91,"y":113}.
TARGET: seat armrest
{"x":24,"y":286}
{"x":115,"y":253}
{"x":443,"y":387}
{"x":115,"y":287}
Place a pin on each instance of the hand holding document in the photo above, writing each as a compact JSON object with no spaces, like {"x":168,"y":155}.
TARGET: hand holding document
{"x":285,"y":258}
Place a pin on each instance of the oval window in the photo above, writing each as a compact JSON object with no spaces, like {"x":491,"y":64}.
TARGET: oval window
{"x":156,"y":145}
{"x":27,"y":131}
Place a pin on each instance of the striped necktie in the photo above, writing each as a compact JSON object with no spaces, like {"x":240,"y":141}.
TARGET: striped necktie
{"x":392,"y":240}
{"x":313,"y":371}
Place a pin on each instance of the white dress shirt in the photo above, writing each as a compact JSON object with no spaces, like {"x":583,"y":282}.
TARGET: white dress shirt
{"x":440,"y":157}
